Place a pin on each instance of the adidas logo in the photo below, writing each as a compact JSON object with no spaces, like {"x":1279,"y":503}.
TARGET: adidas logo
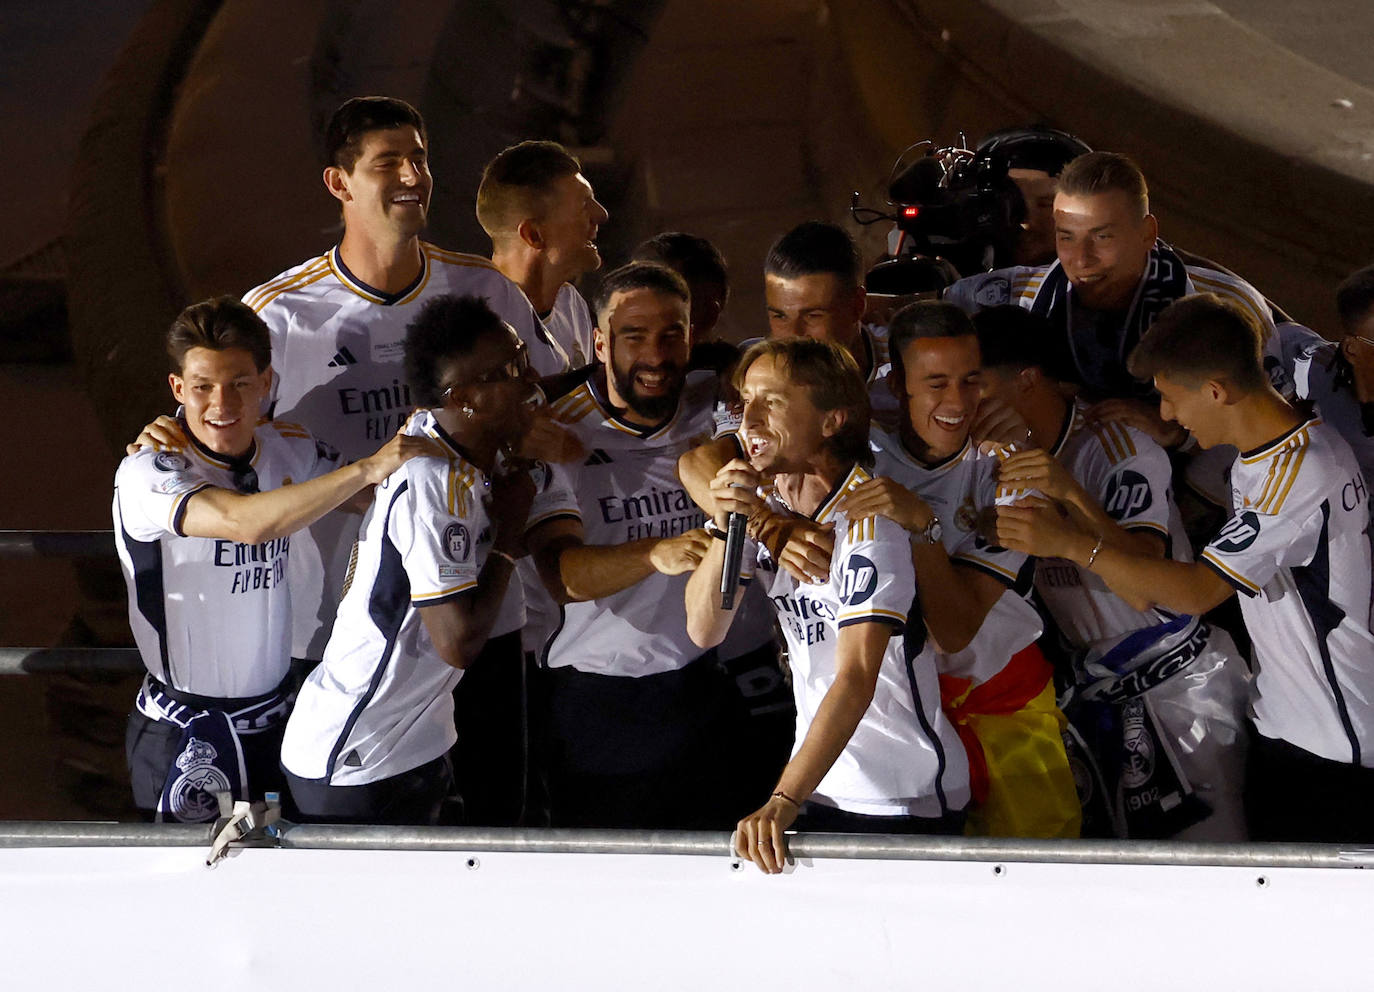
{"x":344,"y":357}
{"x":598,"y":457}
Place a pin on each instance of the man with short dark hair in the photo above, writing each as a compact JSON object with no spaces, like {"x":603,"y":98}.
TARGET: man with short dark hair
{"x":430,"y":599}
{"x":542,"y":217}
{"x":1297,"y":548}
{"x":635,"y":711}
{"x":338,"y":321}
{"x":939,"y":485}
{"x":703,"y":267}
{"x":1338,"y":376}
{"x":204,"y":537}
{"x":1172,"y":684}
{"x":873,"y":752}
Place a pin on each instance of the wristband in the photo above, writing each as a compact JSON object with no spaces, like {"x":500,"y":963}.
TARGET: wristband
{"x":782,"y":795}
{"x":1092,"y":555}
{"x":503,"y":554}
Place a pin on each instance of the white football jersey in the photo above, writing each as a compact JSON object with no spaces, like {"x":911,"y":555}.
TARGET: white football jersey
{"x":211,"y":617}
{"x":959,"y":489}
{"x":627,"y":489}
{"x":1129,"y":476}
{"x":1297,"y":548}
{"x":338,"y":357}
{"x":380,"y":703}
{"x":573,"y":326}
{"x":904,"y":758}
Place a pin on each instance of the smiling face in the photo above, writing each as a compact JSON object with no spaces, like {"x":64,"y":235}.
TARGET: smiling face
{"x":569,"y":227}
{"x":1197,"y":408}
{"x":645,"y":344}
{"x":386,"y":194}
{"x":222,"y":393}
{"x":495,"y":381}
{"x":820,"y":305}
{"x":940,"y":388}
{"x":1103,"y":244}
{"x":782,"y":431}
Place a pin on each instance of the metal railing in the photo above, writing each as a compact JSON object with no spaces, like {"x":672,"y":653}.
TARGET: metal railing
{"x":312,"y":837}
{"x":48,"y":661}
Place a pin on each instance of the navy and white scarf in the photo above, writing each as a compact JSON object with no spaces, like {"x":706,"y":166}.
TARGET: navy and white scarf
{"x":1166,"y":280}
{"x":209,"y":756}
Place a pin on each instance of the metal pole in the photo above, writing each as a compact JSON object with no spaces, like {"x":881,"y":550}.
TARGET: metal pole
{"x":38,"y":833}
{"x":57,"y":544}
{"x":37,"y":661}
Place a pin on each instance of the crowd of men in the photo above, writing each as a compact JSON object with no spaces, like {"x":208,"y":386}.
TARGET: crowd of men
{"x":432,"y":540}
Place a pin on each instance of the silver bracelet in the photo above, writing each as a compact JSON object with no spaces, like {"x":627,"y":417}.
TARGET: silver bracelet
{"x":1092,"y":555}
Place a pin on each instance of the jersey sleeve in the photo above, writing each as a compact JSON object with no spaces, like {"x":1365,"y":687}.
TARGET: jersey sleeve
{"x":553,"y":497}
{"x":1133,"y":485}
{"x":872,"y":568}
{"x":436,"y":529}
{"x":153,"y":489}
{"x":1252,"y":547}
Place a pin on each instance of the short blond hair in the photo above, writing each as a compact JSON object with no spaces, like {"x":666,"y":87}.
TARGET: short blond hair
{"x":1105,"y":172}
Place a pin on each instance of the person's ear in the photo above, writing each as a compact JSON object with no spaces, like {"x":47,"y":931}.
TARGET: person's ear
{"x":833,"y":422}
{"x":1348,"y":347}
{"x":178,"y":385}
{"x":1151,"y":227}
{"x":601,"y":346}
{"x":336,"y":181}
{"x":530,"y":233}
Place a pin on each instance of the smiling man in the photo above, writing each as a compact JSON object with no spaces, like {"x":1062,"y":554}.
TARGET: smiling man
{"x":1112,"y":277}
{"x":874,"y":752}
{"x":1296,"y":548}
{"x":637,"y":715}
{"x":204,"y":538}
{"x":338,"y":321}
{"x":542,"y":217}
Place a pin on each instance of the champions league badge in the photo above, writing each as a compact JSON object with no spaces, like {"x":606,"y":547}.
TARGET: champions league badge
{"x":191,"y":797}
{"x":1138,"y":752}
{"x":457,"y":542}
{"x":170,"y":461}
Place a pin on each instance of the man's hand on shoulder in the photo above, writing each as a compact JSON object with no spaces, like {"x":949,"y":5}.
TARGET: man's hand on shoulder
{"x":884,"y":497}
{"x":1143,"y":416}
{"x":549,"y":441}
{"x":164,"y":432}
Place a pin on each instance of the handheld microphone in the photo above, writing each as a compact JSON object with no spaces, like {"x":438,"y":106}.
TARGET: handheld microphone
{"x":734,"y":554}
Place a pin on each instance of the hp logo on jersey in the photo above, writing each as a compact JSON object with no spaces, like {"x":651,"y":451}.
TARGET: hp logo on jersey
{"x":457,"y":542}
{"x":860,"y":580}
{"x":1239,"y":533}
{"x":1128,"y":493}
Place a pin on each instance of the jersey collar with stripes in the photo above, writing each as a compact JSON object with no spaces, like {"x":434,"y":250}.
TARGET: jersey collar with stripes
{"x":241,"y":467}
{"x":341,"y":271}
{"x":856,"y":476}
{"x":1074,"y":420}
{"x":900,"y":452}
{"x":596,"y":390}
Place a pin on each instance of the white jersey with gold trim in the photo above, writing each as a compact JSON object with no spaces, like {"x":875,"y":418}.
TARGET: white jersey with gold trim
{"x":211,"y":617}
{"x":1129,"y":475}
{"x":959,"y":489}
{"x":380,"y":703}
{"x":572,"y":325}
{"x":337,"y":355}
{"x":1297,"y":549}
{"x":904,"y":758}
{"x":627,"y":489}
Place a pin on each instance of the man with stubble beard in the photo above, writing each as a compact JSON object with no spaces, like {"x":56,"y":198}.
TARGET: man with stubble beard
{"x":635,"y":712}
